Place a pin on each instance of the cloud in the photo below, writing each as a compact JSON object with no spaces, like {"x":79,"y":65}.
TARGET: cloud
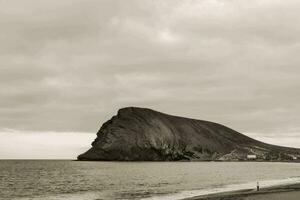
{"x":16,"y":144}
{"x":68,"y":66}
{"x":287,"y":139}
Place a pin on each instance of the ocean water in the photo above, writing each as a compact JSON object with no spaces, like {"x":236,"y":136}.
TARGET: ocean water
{"x":61,"y":180}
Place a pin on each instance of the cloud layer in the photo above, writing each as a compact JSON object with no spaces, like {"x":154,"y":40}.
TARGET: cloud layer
{"x":45,"y":145}
{"x":69,"y":65}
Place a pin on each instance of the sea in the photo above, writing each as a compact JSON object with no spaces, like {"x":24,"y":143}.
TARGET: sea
{"x":84,"y":180}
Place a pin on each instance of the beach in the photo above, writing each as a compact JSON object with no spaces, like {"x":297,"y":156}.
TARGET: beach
{"x":283,"y":192}
{"x":29,"y":179}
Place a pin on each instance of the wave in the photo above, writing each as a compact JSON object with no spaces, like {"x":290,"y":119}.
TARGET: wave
{"x":226,"y":188}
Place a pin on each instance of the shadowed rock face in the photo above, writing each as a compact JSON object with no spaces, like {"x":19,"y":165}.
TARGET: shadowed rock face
{"x":139,"y":134}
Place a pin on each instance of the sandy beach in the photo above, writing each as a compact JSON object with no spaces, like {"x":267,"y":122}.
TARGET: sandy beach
{"x":284,"y":192}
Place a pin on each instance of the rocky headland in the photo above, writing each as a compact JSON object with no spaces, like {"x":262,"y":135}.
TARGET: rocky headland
{"x":141,"y":134}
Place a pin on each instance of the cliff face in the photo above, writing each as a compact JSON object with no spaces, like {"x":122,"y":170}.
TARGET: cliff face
{"x":139,"y":134}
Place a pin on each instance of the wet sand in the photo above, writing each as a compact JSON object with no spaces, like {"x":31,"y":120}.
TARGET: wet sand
{"x":295,"y":195}
{"x":286,"y":192}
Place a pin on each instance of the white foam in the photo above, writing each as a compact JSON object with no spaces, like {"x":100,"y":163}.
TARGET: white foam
{"x":226,"y":188}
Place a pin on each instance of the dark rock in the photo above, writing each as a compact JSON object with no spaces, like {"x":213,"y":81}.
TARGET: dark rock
{"x":140,"y":134}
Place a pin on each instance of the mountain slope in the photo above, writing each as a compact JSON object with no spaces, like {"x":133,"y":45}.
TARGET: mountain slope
{"x":140,"y":134}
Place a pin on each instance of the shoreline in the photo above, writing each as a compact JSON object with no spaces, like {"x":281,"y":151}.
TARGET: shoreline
{"x":162,"y":161}
{"x":287,"y":191}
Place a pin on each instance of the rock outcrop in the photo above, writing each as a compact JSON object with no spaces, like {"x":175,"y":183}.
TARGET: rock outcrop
{"x":140,"y":134}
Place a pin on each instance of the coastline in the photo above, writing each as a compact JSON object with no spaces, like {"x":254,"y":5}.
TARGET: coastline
{"x":282,"y":192}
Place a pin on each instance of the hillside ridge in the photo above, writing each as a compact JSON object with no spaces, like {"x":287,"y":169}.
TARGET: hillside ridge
{"x":143,"y":134}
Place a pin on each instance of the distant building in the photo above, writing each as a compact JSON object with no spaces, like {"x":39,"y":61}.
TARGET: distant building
{"x":251,"y":157}
{"x":294,"y":157}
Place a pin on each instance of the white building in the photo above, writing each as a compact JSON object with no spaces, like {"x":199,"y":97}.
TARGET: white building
{"x":251,"y":157}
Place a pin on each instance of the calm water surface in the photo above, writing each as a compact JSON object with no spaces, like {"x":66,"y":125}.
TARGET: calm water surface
{"x":46,"y":179}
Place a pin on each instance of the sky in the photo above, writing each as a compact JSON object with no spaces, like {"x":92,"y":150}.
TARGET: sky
{"x":67,"y":66}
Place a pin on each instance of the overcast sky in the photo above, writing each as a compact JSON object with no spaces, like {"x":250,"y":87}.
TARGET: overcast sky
{"x":67,"y":66}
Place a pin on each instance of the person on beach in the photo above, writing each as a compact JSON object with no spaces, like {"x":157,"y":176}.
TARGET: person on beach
{"x":257,"y":186}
